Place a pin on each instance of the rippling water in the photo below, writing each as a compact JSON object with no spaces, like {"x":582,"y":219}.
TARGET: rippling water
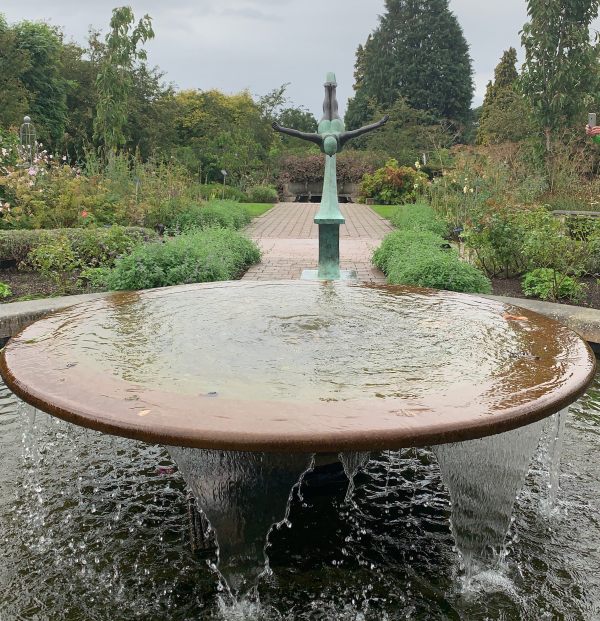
{"x":95,"y":528}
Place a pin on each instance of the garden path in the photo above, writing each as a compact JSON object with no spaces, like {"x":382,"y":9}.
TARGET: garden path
{"x":289,"y":240}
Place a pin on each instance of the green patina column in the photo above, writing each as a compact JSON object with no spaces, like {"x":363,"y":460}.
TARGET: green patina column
{"x":329,"y":218}
{"x":331,"y":136}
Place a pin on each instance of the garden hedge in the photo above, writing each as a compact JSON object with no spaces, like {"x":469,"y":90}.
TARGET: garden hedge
{"x":15,"y":245}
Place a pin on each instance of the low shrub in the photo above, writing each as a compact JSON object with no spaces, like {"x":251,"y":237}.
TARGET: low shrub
{"x":420,"y":217}
{"x":403,"y":243}
{"x":222,"y":214}
{"x":198,"y":256}
{"x":437,"y":270}
{"x":422,"y":258}
{"x":212,"y":191}
{"x":94,"y":277}
{"x":54,"y":260}
{"x":94,"y":246}
{"x":549,"y":284}
{"x":261,"y":194}
{"x":5,"y":290}
{"x":496,"y":237}
{"x":393,"y":184}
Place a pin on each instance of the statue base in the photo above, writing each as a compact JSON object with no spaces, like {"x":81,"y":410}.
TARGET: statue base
{"x":344,"y":275}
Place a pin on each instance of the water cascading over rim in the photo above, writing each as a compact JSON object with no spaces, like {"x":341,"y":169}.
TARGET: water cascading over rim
{"x":286,"y":370}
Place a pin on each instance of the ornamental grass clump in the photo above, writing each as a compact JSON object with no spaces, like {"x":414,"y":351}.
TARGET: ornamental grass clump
{"x":198,"y":256}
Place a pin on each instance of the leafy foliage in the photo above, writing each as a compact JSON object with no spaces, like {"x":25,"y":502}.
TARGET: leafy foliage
{"x":420,"y":258}
{"x":199,"y":256}
{"x":351,"y":166}
{"x":90,"y":246}
{"x":419,"y":217}
{"x":42,"y":78}
{"x":54,"y":260}
{"x":393,"y":184}
{"x":14,"y":62}
{"x":5,"y":290}
{"x":261,"y":194}
{"x":549,"y":284}
{"x":561,"y":63}
{"x":114,"y":80}
{"x":223,"y":214}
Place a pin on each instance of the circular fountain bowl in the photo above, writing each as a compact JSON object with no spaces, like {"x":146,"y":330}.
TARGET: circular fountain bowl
{"x":297,"y":366}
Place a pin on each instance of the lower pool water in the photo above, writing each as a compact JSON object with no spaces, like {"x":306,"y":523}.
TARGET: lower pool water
{"x":94,"y":527}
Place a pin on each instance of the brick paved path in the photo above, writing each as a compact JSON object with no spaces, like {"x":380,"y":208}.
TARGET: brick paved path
{"x":289,"y":240}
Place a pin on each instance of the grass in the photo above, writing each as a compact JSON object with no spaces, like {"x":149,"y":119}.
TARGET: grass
{"x":257,"y":209}
{"x":387,"y":211}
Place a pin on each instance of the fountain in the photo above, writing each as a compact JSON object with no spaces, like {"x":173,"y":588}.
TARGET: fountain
{"x":253,"y":386}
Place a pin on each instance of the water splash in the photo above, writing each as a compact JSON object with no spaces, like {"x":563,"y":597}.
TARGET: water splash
{"x":352,"y":463}
{"x":484,"y":478}
{"x":550,"y":451}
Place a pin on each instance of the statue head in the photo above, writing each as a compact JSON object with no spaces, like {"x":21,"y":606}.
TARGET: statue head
{"x":330,"y":145}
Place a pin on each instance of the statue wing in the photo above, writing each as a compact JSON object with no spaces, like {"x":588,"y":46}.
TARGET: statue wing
{"x":311,"y":137}
{"x":346,"y":136}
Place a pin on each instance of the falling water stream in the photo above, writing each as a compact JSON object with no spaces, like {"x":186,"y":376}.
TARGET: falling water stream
{"x":94,"y":527}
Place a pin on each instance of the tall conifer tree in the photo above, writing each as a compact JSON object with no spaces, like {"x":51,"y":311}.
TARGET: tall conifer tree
{"x":505,"y":115}
{"x":418,"y":52}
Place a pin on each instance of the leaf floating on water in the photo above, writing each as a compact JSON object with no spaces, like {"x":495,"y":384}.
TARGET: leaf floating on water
{"x":515,"y":317}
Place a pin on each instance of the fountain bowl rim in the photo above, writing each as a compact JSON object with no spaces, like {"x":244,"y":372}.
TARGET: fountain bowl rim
{"x":445,"y":430}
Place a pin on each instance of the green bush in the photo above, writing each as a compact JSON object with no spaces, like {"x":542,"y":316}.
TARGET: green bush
{"x":261,"y":194}
{"x":199,"y":256}
{"x":403,"y":244}
{"x":497,"y":237}
{"x":55,"y":260}
{"x":393,"y":184}
{"x":90,"y":244}
{"x":549,"y":284}
{"x":5,"y":290}
{"x":437,"y":270}
{"x":94,"y":277}
{"x":222,"y":214}
{"x":421,"y":258}
{"x":419,"y":217}
{"x":213,"y":191}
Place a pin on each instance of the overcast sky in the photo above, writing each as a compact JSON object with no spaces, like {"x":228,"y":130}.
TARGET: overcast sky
{"x":260,"y":44}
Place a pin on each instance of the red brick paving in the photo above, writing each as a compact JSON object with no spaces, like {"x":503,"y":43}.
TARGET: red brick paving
{"x":288,"y":238}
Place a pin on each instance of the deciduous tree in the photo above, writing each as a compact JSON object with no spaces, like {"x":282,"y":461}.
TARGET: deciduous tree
{"x":114,"y":81}
{"x":561,"y":62}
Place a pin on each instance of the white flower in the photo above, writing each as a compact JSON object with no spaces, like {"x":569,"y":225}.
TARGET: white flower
{"x":471,"y":190}
{"x":64,"y":158}
{"x":465,"y":190}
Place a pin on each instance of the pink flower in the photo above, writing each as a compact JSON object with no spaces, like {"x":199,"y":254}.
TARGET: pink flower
{"x":84,"y":214}
{"x":32,"y":171}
